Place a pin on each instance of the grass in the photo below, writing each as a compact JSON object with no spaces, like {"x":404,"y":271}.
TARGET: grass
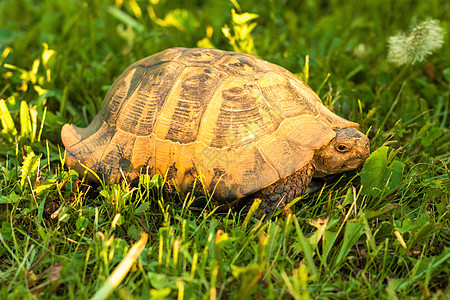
{"x":381,"y":232}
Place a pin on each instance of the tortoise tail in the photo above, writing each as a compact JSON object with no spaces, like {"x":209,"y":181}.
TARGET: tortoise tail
{"x":70,"y":135}
{"x":84,"y":146}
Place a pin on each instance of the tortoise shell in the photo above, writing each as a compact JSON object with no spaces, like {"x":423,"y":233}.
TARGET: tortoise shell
{"x":234,"y":121}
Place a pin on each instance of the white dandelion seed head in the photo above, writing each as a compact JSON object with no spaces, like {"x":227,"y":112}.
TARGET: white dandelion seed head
{"x":422,"y":40}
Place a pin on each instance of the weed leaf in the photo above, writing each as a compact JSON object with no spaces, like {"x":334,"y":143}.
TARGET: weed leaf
{"x":377,"y":175}
{"x":373,"y":171}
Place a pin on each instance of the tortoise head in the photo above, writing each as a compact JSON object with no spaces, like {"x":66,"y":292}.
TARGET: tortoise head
{"x":345,"y":152}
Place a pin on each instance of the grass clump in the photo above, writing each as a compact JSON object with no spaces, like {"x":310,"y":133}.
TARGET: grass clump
{"x":377,"y":233}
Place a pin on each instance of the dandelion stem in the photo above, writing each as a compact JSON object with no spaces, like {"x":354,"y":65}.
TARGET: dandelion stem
{"x":391,"y":109}
{"x":399,"y":76}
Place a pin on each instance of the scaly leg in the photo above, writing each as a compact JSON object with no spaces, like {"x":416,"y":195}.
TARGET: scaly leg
{"x":278,"y":194}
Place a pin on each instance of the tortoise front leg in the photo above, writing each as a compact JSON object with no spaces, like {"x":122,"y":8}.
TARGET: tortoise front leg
{"x":278,"y":194}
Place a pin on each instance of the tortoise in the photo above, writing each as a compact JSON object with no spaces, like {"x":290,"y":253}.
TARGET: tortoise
{"x":244,"y":127}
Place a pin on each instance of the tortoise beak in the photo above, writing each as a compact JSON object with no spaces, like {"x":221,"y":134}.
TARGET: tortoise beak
{"x":364,"y":151}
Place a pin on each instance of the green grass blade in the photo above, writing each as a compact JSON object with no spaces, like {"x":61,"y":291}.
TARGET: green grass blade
{"x":353,"y":231}
{"x":121,"y":270}
{"x":306,"y":248}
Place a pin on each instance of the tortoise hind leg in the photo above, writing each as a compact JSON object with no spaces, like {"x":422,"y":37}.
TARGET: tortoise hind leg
{"x":280,"y":193}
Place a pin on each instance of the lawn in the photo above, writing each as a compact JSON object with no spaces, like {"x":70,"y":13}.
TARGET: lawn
{"x":381,"y":231}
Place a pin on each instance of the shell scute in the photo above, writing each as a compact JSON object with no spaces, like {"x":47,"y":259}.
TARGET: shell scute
{"x":89,"y":150}
{"x":189,"y":98}
{"x":252,"y":171}
{"x":117,"y":156}
{"x":118,"y":94}
{"x":241,"y":66}
{"x":284,"y":97}
{"x":239,"y":117}
{"x":143,"y":154}
{"x":168,"y":55}
{"x":142,"y":107}
{"x":199,"y":57}
{"x":306,"y":131}
{"x":284,"y":151}
{"x":167,"y":154}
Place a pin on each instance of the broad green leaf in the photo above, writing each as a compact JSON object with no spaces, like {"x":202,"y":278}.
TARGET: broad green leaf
{"x":406,"y":225}
{"x":157,"y":180}
{"x":6,"y":231}
{"x":384,"y":229}
{"x":422,"y":233}
{"x":11,"y":198}
{"x":372,"y":174}
{"x":150,"y":182}
{"x":423,"y":130}
{"x":377,"y":175}
{"x":142,"y":208}
{"x":395,"y":170}
{"x":431,"y":136}
{"x":82,"y":223}
{"x":40,"y":212}
{"x":161,"y":281}
{"x":446,"y":73}
{"x":329,"y":239}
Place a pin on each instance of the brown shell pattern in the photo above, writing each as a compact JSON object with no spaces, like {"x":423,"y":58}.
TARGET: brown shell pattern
{"x":236,"y":121}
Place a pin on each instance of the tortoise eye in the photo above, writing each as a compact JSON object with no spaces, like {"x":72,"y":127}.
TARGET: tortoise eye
{"x":342,"y":148}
